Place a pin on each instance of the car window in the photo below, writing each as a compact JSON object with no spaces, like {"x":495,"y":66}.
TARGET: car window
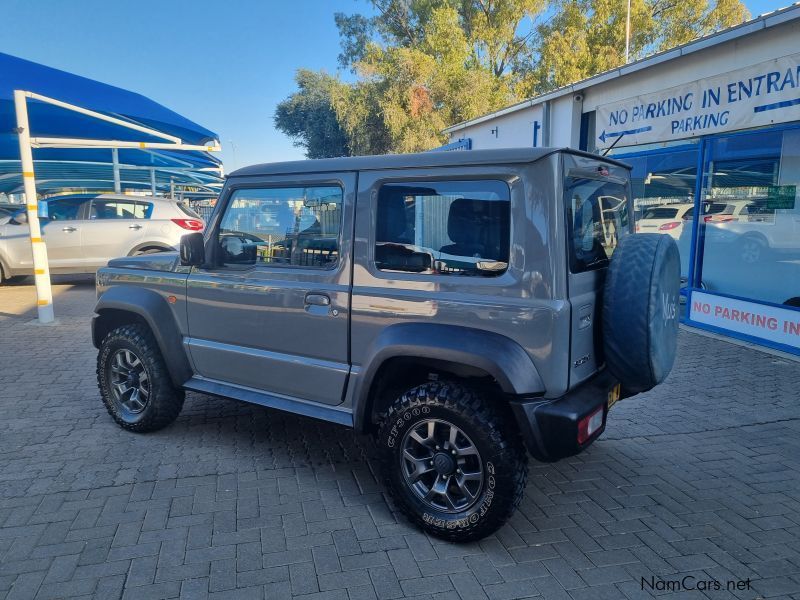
{"x":597,"y":215}
{"x":119,"y":209}
{"x":443,"y":228}
{"x":293,"y":227}
{"x":660,"y":213}
{"x":66,"y":209}
{"x":185,"y":209}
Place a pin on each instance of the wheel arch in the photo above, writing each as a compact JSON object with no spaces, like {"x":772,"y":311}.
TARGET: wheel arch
{"x":151,"y":245}
{"x":121,"y":305}
{"x":409,"y":352}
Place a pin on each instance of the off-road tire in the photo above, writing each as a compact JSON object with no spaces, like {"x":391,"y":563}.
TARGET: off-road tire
{"x":640,"y":310}
{"x":164,"y":403}
{"x":501,"y":455}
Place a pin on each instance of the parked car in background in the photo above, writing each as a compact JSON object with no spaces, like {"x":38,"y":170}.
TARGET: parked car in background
{"x":727,"y":212}
{"x":84,"y":231}
{"x":668,"y":219}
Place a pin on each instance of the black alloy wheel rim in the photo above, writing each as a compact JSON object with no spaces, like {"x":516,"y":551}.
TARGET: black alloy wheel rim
{"x":129,"y":381}
{"x":441,"y":466}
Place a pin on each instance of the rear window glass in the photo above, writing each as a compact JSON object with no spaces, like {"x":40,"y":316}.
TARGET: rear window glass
{"x":597,"y":216}
{"x":188,"y":211}
{"x":444,"y":228}
{"x":660,"y":213}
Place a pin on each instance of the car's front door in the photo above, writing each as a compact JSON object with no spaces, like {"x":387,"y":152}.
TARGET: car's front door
{"x":272,"y":311}
{"x":61,"y":231}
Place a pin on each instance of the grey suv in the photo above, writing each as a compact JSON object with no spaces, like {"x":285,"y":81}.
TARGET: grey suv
{"x":466,"y":309}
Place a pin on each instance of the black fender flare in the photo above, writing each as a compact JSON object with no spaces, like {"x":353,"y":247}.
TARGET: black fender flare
{"x":153,"y":309}
{"x":161,"y":245}
{"x":499,"y":356}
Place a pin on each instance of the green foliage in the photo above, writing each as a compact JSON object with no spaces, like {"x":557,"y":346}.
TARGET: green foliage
{"x":421,"y":65}
{"x":308,"y":116}
{"x":585,"y":37}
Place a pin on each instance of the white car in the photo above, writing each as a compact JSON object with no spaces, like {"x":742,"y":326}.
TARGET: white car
{"x":666,"y":218}
{"x":84,"y":231}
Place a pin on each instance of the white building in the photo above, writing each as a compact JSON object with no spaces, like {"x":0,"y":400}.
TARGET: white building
{"x":726,"y":106}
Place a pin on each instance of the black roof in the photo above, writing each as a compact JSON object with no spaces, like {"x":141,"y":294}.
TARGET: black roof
{"x":407,"y":161}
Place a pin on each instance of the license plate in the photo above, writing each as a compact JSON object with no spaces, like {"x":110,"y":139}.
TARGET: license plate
{"x":613,"y":395}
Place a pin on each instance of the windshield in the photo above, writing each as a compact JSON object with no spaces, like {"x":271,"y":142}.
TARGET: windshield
{"x":598,"y":218}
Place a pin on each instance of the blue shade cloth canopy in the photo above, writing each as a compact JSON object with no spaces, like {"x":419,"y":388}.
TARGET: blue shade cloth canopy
{"x":47,"y":120}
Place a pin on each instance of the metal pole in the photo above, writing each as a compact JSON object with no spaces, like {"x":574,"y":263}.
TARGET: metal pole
{"x":153,"y":181}
{"x":628,"y":33}
{"x":41,"y":270}
{"x":115,"y":163}
{"x":172,"y":188}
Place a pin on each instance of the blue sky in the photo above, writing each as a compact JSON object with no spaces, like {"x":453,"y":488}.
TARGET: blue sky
{"x":224,"y":65}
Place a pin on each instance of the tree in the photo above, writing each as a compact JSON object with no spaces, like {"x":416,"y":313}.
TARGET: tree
{"x":308,"y":116}
{"x":585,"y":37}
{"x":421,"y":65}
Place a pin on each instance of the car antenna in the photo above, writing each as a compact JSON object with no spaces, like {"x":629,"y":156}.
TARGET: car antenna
{"x":611,"y":147}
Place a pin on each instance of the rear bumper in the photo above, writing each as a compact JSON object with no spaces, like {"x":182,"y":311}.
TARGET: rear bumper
{"x":550,"y":426}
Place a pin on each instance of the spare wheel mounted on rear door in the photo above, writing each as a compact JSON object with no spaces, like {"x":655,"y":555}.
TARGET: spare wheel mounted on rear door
{"x":640,"y":311}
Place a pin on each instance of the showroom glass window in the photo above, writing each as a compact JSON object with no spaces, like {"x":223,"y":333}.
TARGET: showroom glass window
{"x":750,"y":242}
{"x":282,"y":227}
{"x":663,"y":182}
{"x":458,"y":228}
{"x":597,"y":216}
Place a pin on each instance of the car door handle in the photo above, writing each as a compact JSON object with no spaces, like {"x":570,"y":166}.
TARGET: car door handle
{"x":318,"y":300}
{"x":69,"y":229}
{"x":134,"y":226}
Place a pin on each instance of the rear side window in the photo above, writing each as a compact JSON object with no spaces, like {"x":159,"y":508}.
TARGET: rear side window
{"x":443,"y":228}
{"x":597,"y":216}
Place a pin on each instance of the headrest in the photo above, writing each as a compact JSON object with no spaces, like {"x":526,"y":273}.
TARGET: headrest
{"x":466,"y":220}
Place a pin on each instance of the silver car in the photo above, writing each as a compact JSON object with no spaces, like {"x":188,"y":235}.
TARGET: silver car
{"x":84,"y":231}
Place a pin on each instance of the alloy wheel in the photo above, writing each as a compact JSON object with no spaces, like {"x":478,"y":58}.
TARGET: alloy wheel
{"x":129,"y":381}
{"x":441,"y":465}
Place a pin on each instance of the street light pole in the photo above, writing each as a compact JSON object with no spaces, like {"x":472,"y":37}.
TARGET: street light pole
{"x":41,"y":270}
{"x":628,"y":33}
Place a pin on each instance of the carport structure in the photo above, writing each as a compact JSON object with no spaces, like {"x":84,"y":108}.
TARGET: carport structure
{"x":92,"y":136}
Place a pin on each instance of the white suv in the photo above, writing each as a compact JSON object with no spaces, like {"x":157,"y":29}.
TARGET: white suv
{"x":84,"y":231}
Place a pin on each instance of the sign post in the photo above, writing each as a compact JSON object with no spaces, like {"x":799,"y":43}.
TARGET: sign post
{"x":44,"y":293}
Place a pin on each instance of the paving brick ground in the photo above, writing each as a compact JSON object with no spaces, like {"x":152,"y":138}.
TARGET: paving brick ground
{"x":700,"y":477}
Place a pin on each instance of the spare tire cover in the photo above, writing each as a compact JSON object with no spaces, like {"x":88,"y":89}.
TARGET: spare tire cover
{"x":640,"y":310}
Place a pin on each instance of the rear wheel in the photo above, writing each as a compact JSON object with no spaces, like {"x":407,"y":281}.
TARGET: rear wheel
{"x":453,"y":463}
{"x":134,"y":381}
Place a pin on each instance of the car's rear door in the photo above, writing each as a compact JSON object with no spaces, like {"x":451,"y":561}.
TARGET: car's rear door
{"x":114,"y":228}
{"x":598,"y":204}
{"x":272,"y":313}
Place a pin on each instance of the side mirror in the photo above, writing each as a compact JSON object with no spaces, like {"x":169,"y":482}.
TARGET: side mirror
{"x":193,"y":250}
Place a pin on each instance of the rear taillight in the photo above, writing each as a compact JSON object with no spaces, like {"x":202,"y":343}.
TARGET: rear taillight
{"x":190,"y":224}
{"x":589,"y":425}
{"x":668,"y":226}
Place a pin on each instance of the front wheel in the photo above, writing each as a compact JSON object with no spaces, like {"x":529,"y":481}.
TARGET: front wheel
{"x":452,"y":462}
{"x":134,"y":381}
